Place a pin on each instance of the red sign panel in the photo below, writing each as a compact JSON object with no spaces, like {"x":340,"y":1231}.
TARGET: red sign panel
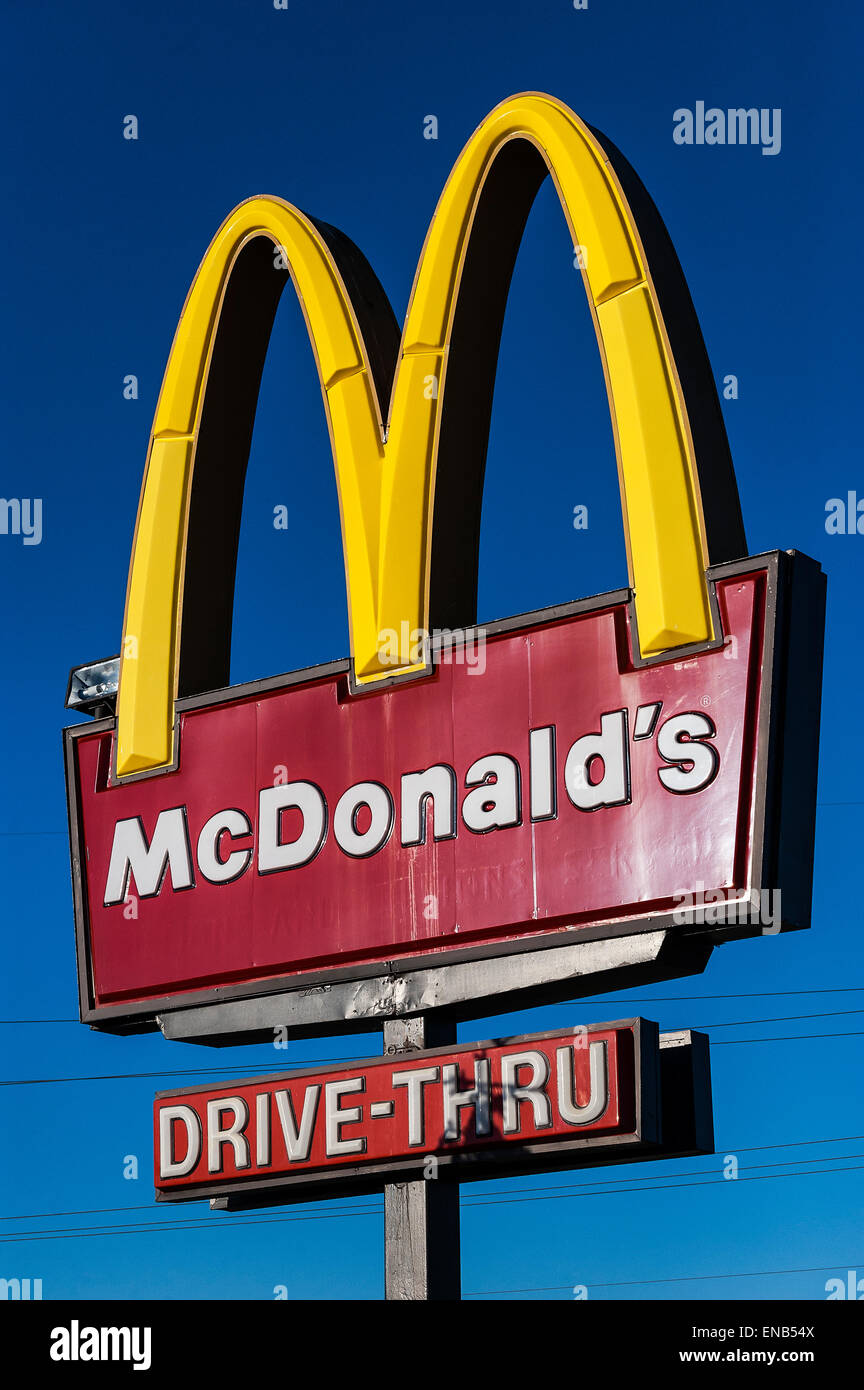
{"x":570,"y":1096}
{"x":539,"y":781}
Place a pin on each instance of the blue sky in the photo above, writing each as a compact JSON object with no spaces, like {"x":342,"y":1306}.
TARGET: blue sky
{"x":324,"y":105}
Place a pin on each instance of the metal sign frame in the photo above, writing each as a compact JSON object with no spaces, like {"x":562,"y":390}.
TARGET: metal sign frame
{"x":673,"y":1118}
{"x":782,"y":836}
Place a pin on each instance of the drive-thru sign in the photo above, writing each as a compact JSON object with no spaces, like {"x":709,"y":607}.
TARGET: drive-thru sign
{"x":549,"y":1092}
{"x":608,"y":1093}
{"x":613,"y":788}
{"x":565,"y":793}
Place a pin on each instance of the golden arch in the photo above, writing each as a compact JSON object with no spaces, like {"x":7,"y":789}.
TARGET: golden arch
{"x":410,"y":480}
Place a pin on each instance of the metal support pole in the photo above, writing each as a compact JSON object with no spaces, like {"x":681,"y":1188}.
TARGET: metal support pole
{"x":421,"y":1219}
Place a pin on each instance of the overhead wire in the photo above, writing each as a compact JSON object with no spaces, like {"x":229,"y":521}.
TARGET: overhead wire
{"x":180,"y":1223}
{"x":733,"y":1149}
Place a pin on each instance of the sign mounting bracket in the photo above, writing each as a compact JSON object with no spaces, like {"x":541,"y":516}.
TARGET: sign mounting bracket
{"x":422,"y":1256}
{"x":519,"y":980}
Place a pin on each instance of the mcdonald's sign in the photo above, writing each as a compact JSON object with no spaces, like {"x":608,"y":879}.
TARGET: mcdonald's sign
{"x":643,"y":760}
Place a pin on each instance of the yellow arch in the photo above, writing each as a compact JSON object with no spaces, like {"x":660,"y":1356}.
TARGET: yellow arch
{"x":386,"y":474}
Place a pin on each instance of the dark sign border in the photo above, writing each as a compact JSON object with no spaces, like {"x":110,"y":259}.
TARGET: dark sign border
{"x":643,"y":1141}
{"x":782,"y":833}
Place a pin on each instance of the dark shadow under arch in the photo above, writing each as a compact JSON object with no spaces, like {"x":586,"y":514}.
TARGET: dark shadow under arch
{"x":227,"y":419}
{"x":240,"y":345}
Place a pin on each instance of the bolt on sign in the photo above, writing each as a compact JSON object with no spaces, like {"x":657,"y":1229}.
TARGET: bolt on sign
{"x":641,"y":760}
{"x":551,"y":1100}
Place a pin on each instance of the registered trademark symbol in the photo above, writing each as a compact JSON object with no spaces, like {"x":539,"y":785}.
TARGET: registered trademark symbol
{"x":706,"y":700}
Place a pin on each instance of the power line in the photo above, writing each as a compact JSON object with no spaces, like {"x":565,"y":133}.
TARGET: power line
{"x":149,"y":1228}
{"x":266,"y":1067}
{"x":172,"y":1222}
{"x":699,"y":1173}
{"x":676,"y":1279}
{"x":95,"y":1233}
{"x":670,"y":1186}
{"x":796,"y":1037}
{"x":701,"y":998}
{"x":733,"y":1149}
{"x":592,"y":999}
{"x":790,"y":1144}
{"x":83,"y":1211}
{"x":650,"y":1179}
{"x":788,"y":1018}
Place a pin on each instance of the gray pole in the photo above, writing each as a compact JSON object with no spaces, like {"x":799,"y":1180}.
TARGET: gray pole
{"x":421,"y":1219}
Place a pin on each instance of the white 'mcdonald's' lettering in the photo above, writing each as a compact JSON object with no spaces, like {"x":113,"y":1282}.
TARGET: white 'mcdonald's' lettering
{"x":130,"y":853}
{"x":595,"y":775}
